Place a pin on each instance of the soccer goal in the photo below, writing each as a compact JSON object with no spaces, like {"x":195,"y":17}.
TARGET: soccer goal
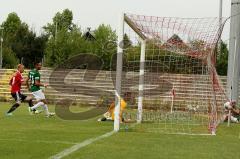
{"x":167,"y":65}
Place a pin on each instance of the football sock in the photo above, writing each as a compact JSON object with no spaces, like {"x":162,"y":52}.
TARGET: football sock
{"x":15,"y":106}
{"x":45,"y":107}
{"x":36,"y":106}
{"x":30,"y":104}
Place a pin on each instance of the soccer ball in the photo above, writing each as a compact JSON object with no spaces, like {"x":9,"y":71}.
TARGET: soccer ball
{"x":227,"y":105}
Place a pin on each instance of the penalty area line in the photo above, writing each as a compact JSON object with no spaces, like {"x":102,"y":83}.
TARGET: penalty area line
{"x":39,"y":141}
{"x":80,"y":145}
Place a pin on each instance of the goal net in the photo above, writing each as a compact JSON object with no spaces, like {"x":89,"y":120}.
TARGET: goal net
{"x":168,"y":71}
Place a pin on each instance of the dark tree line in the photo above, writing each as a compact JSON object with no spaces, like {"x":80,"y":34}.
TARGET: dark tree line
{"x":20,"y":44}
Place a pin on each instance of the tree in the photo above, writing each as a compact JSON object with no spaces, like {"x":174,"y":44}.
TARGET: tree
{"x":9,"y":58}
{"x":12,"y":23}
{"x":61,"y":21}
{"x":222,"y":60}
{"x":64,"y":20}
{"x":10,"y":26}
{"x":126,"y":41}
{"x":105,"y":44}
{"x":66,"y":45}
{"x":20,"y":41}
{"x":64,"y":39}
{"x":23,"y":42}
{"x":67,"y":40}
{"x":27,"y":46}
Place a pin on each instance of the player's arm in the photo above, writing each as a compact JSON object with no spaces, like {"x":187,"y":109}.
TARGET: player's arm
{"x":38,"y":83}
{"x":235,"y":110}
{"x":22,"y":80}
{"x":111,"y":107}
{"x":10,"y":82}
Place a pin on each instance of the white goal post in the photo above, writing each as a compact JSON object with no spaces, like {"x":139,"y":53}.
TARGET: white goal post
{"x":169,"y":67}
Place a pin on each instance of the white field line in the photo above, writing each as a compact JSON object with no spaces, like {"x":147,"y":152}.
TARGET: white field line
{"x":40,"y":141}
{"x":154,"y":130}
{"x":80,"y":145}
{"x":189,"y":134}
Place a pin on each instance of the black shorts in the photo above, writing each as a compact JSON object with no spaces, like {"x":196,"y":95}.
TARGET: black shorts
{"x":18,"y":97}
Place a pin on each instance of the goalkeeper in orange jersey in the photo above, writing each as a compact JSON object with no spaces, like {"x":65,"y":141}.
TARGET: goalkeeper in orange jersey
{"x":109,"y":115}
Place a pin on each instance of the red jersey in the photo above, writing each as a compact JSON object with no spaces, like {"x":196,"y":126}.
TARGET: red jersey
{"x":16,"y":82}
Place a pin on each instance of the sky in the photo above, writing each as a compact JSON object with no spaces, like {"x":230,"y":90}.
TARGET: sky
{"x":91,"y":13}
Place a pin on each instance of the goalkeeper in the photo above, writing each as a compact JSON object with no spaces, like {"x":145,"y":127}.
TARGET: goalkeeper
{"x":235,"y":112}
{"x":109,"y":115}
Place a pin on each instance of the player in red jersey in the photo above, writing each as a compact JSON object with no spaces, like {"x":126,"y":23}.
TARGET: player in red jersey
{"x":16,"y":83}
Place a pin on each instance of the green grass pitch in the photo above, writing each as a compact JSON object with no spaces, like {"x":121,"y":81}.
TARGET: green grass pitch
{"x":25,"y":136}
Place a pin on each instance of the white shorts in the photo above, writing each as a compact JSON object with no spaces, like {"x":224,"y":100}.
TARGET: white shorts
{"x":39,"y":95}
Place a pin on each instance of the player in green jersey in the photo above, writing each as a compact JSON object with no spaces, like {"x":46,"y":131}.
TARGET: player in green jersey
{"x":35,"y":84}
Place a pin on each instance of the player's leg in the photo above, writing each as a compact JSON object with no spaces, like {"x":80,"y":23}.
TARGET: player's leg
{"x":17,"y":98}
{"x":45,"y":107}
{"x":102,"y":119}
{"x":106,"y":117}
{"x":29,"y":99}
{"x":39,"y":102}
{"x":225,"y":117}
{"x":39,"y":95}
{"x":234,"y":119}
{"x":34,"y":107}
